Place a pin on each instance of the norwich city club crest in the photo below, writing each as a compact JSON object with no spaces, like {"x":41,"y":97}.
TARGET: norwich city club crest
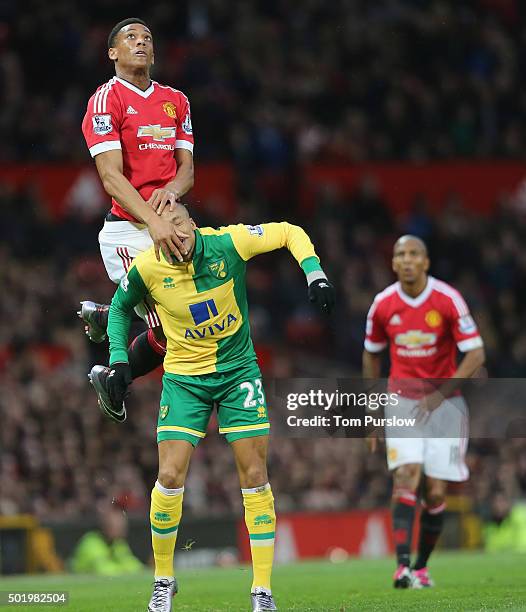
{"x":163,"y":412}
{"x":218,"y":269}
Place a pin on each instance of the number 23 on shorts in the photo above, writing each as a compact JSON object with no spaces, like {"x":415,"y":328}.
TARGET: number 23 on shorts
{"x":254,"y":397}
{"x":248,"y":387}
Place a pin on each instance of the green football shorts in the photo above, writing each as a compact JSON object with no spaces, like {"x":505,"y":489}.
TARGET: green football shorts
{"x":187,"y":403}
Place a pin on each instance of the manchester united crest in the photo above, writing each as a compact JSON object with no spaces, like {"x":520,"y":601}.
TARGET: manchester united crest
{"x":433,"y":318}
{"x":392,"y":454}
{"x":170,"y":110}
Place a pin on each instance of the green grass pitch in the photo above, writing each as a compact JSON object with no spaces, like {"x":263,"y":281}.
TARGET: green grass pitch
{"x":465,"y":582}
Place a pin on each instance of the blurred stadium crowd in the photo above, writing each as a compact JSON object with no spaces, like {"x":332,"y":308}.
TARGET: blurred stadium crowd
{"x":59,"y":455}
{"x":343,"y":81}
{"x":270,"y":84}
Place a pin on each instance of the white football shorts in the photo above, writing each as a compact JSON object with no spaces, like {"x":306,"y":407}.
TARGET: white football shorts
{"x":120,"y":242}
{"x":439,"y":445}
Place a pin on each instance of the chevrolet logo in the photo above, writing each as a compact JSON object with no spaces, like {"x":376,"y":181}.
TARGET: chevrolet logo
{"x":415,"y":338}
{"x":156,"y":132}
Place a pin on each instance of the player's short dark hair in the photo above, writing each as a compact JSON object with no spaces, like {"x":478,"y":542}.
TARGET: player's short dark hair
{"x":417,"y":239}
{"x":173,"y":215}
{"x":117,"y":28}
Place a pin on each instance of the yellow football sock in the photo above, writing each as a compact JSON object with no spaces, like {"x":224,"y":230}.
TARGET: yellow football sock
{"x":260,"y":519}
{"x":165,"y":514}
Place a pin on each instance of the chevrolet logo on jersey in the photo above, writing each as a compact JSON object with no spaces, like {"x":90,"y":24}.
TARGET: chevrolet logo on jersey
{"x":415,"y":338}
{"x":158,"y":133}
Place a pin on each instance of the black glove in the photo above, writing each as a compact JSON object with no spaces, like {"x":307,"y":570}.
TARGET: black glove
{"x":118,"y":381}
{"x":321,"y":292}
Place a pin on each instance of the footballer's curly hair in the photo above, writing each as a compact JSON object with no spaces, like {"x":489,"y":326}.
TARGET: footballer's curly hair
{"x":117,"y":28}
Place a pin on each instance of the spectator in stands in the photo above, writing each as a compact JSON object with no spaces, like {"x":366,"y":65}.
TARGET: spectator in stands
{"x":506,"y":532}
{"x":43,"y":360}
{"x":338,"y":81}
{"x":345,"y":82}
{"x":106,"y":551}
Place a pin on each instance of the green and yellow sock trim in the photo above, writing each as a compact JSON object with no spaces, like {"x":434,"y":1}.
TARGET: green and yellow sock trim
{"x":262,"y":539}
{"x":166,"y":531}
{"x":165,"y":517}
{"x":260,"y":519}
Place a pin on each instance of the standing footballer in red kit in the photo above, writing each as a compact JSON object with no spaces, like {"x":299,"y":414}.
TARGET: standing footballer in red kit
{"x":424,"y":322}
{"x":140,"y":134}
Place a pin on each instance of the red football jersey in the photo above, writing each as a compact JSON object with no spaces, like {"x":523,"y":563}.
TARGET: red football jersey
{"x":423,"y":333}
{"x":147,"y":125}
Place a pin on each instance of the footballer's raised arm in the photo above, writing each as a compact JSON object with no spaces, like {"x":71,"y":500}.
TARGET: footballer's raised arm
{"x":173,"y":191}
{"x":110,"y":168}
{"x":251,"y":240}
{"x":130,"y":292}
{"x":102,"y":131}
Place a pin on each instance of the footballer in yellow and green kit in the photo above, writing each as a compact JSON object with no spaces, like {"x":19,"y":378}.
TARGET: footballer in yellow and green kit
{"x":210,"y":359}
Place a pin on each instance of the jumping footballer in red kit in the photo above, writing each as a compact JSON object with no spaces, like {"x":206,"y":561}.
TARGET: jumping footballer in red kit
{"x":140,"y":134}
{"x":424,"y":321}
